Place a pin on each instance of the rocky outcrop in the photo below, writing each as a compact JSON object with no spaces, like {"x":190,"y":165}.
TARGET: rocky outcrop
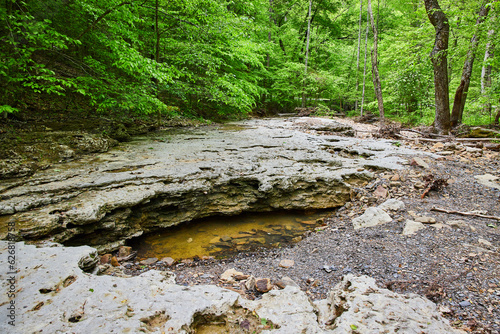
{"x":52,"y":293}
{"x":174,"y":177}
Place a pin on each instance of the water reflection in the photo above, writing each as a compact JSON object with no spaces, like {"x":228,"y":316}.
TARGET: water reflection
{"x":223,"y":236}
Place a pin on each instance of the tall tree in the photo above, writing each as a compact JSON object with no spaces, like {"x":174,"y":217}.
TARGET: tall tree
{"x":364,"y":69}
{"x":463,"y":88}
{"x":486,"y":72}
{"x":375,"y":74}
{"x":307,"y":51}
{"x":440,"y":63}
{"x":357,"y":57}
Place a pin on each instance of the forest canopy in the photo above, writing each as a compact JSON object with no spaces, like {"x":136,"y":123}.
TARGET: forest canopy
{"x":217,"y":58}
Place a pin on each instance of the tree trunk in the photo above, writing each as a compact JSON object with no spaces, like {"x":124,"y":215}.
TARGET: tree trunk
{"x":463,"y":88}
{"x":440,"y":63}
{"x":364,"y":70}
{"x":486,"y":73}
{"x":375,"y":74}
{"x":157,"y":33}
{"x":307,"y":53}
{"x":497,"y":117}
{"x":357,"y":60}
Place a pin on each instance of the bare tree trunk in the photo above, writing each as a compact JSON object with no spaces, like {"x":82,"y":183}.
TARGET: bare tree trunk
{"x":364,"y":70}
{"x":375,"y":74}
{"x":497,"y":117}
{"x":357,"y":60}
{"x":463,"y":88}
{"x":440,"y":63}
{"x":157,"y":33}
{"x":307,"y":53}
{"x":486,"y":73}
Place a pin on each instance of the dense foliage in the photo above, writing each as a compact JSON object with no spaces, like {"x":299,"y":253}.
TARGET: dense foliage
{"x":202,"y":58}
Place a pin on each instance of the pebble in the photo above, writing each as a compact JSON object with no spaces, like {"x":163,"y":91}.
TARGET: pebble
{"x":286,"y":263}
{"x":464,"y":303}
{"x":149,"y":261}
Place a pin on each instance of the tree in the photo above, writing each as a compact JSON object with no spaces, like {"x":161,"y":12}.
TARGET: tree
{"x":375,"y":73}
{"x":308,"y":33}
{"x":440,"y":63}
{"x":461,"y":93}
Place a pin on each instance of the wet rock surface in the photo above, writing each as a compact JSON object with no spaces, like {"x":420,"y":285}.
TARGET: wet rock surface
{"x":170,"y":178}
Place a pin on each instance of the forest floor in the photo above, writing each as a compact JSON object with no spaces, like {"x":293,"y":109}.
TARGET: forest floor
{"x":454,"y":261}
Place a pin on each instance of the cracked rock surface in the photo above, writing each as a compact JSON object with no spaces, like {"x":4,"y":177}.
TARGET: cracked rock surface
{"x":176,"y":176}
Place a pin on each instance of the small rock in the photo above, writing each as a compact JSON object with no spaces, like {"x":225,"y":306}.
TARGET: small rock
{"x":473,"y":149}
{"x":373,"y":216}
{"x":444,"y":309}
{"x":411,"y":227}
{"x":286,"y":263}
{"x":250,"y":283}
{"x":380,"y":192}
{"x":214,"y":240}
{"x":419,"y":185}
{"x":229,"y":274}
{"x":124,"y":251}
{"x":106,"y":258}
{"x":241,"y":277}
{"x":114,"y":262}
{"x":457,"y":224}
{"x":484,"y":242}
{"x":189,"y":240}
{"x":438,"y":146}
{"x":187,"y":261}
{"x":263,"y":285}
{"x":328,"y":269}
{"x":392,"y":205}
{"x":426,"y":220}
{"x":88,"y":262}
{"x":395,"y":177}
{"x":149,"y":261}
{"x":419,"y":162}
{"x":168,"y":261}
{"x":287,"y":281}
{"x":464,"y":303}
{"x":226,"y":238}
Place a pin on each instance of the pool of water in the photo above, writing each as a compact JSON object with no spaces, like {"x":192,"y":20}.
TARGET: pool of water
{"x":224,"y":236}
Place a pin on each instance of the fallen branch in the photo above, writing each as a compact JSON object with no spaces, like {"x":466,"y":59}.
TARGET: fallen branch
{"x":465,"y":213}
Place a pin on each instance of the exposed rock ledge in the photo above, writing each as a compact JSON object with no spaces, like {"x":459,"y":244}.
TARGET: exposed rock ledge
{"x":157,"y":182}
{"x":54,"y":295}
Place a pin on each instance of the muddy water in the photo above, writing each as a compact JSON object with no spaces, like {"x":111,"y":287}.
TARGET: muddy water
{"x":224,"y":236}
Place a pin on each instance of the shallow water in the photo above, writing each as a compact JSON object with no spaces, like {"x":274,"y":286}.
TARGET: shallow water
{"x":223,"y":236}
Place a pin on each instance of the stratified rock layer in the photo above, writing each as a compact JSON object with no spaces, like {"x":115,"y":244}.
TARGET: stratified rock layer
{"x":174,"y":177}
{"x":54,"y":295}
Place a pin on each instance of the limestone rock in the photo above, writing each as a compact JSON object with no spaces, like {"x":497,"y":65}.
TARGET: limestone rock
{"x":286,"y":263}
{"x":124,"y":251}
{"x":61,"y":298}
{"x":426,"y":220}
{"x":148,"y":261}
{"x":380,"y":192}
{"x":373,"y":216}
{"x":168,"y":261}
{"x":358,"y":301}
{"x":417,"y":161}
{"x":488,"y":180}
{"x":411,"y":227}
{"x":135,"y":190}
{"x":89,"y":261}
{"x":392,"y":205}
{"x":229,"y":274}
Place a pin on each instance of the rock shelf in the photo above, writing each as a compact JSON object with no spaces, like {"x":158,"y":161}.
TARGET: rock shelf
{"x":166,"y":179}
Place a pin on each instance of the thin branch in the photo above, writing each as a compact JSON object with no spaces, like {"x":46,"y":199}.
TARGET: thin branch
{"x":465,"y":213}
